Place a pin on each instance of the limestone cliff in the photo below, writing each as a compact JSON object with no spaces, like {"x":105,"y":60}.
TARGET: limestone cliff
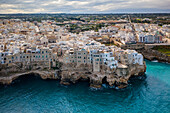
{"x":154,"y":55}
{"x":119,"y":77}
{"x":43,"y":74}
{"x":70,"y":73}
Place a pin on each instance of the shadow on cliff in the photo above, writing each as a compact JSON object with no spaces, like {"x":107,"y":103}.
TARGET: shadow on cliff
{"x":134,"y":82}
{"x":83,"y":80}
{"x":27,"y":78}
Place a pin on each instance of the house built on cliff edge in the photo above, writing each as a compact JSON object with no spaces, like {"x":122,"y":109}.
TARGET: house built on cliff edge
{"x":106,"y":57}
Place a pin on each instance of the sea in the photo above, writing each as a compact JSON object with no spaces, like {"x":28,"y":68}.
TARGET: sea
{"x":147,"y":94}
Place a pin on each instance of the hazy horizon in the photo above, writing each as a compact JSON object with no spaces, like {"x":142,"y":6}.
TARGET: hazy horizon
{"x":89,"y":13}
{"x":84,"y":6}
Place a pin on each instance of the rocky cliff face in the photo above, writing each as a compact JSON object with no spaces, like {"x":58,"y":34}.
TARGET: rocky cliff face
{"x":154,"y":55}
{"x":43,"y":74}
{"x":70,"y":73}
{"x":74,"y":74}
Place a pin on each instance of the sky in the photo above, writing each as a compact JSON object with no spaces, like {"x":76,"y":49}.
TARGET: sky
{"x":84,"y":6}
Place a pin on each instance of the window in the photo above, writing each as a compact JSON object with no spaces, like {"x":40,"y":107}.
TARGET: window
{"x":42,"y":52}
{"x":96,"y":55}
{"x":84,"y":57}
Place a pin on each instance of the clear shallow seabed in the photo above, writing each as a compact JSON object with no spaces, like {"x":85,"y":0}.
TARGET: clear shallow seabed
{"x":34,"y":95}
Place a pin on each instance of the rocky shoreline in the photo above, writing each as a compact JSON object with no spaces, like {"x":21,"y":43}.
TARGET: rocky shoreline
{"x":73,"y":75}
{"x":43,"y":74}
{"x":97,"y":79}
{"x":151,"y":55}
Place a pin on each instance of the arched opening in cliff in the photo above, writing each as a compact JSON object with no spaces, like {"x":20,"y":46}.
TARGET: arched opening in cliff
{"x":154,"y":59}
{"x":26,"y":78}
{"x":104,"y":80}
{"x":81,"y":79}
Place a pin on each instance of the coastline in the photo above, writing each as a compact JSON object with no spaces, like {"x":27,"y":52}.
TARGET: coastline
{"x":68,"y":77}
{"x":43,"y":74}
{"x":35,"y":90}
{"x":152,"y":55}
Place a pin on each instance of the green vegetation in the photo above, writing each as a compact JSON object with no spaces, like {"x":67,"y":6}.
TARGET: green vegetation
{"x":109,"y":44}
{"x":140,"y":21}
{"x":76,"y":28}
{"x":163,"y":49}
{"x":145,"y":31}
{"x":85,"y":22}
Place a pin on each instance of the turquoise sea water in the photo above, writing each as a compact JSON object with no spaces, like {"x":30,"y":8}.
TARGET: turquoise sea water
{"x":150,"y":94}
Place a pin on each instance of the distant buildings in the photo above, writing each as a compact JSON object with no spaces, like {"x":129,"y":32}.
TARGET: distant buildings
{"x":149,"y":38}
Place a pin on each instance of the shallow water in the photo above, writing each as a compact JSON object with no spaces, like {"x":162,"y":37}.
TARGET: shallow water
{"x":32,"y":94}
